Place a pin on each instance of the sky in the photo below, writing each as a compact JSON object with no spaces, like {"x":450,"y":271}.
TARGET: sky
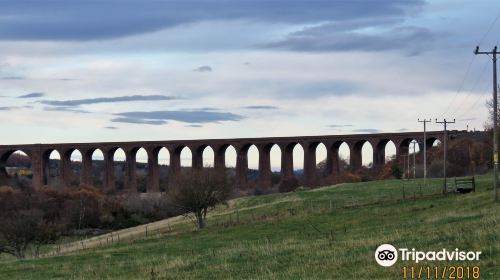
{"x":93,"y":71}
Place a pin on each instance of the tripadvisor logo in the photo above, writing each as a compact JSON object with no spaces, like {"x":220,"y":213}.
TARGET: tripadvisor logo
{"x":387,"y":255}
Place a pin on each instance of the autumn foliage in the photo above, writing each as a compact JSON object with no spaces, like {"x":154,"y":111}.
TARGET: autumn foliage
{"x":30,"y":218}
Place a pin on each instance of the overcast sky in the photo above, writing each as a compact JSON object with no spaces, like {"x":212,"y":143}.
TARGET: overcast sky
{"x":90,"y":71}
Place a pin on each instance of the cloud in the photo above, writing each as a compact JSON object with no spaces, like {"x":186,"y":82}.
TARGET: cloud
{"x":111,"y":127}
{"x":328,"y":37}
{"x":402,"y":129}
{"x":261,"y":107}
{"x":194,"y":125}
{"x":18,"y":78}
{"x":187,"y":116}
{"x":12,"y":78}
{"x":81,"y":20}
{"x":10,"y":108}
{"x":204,"y":68}
{"x":138,"y":121}
{"x":66,"y":109}
{"x":339,"y":125}
{"x":32,"y":95}
{"x":78,"y":102}
{"x":206,"y":109}
{"x":366,"y":130}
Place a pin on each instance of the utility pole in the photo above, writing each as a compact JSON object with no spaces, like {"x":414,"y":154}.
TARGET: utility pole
{"x":445,"y":122}
{"x":404,"y":166}
{"x":414,"y":166}
{"x":408,"y":166}
{"x":425,"y":121}
{"x":494,"y":53}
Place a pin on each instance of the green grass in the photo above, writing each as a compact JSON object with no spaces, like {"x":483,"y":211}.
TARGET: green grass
{"x":327,"y":233}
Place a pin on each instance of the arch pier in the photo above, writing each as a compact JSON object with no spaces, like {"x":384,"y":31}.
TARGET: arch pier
{"x":39,"y":155}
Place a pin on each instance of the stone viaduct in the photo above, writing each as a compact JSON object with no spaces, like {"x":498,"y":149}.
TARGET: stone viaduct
{"x":39,"y":155}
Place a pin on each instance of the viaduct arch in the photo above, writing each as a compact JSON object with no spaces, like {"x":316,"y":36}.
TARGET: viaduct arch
{"x":39,"y":155}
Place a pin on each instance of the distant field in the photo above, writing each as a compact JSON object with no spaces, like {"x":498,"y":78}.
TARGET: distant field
{"x":326,"y":233}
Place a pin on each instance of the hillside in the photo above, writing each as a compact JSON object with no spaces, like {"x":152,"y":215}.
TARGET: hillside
{"x":324,"y":233}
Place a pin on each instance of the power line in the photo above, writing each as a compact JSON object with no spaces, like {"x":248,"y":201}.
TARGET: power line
{"x":489,"y":29}
{"x":479,"y":78}
{"x":478,"y":98}
{"x":470,"y":93}
{"x":459,"y":88}
{"x":469,"y":67}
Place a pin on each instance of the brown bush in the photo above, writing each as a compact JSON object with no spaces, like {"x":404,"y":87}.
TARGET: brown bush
{"x":288,"y":185}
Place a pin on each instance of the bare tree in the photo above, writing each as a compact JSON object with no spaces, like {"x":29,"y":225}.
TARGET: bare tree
{"x":197,"y":191}
{"x":23,"y":228}
{"x":489,"y":123}
{"x":25,"y":221}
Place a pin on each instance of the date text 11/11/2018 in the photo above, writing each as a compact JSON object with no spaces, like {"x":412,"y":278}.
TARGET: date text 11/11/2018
{"x":441,"y":272}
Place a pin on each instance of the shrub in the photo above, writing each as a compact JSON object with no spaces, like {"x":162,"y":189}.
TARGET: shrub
{"x":197,"y":191}
{"x":288,"y":185}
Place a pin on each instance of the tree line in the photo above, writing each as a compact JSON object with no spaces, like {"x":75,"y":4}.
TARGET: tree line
{"x":32,"y":218}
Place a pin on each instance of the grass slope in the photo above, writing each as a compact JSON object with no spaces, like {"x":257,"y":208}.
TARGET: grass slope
{"x":327,"y":233}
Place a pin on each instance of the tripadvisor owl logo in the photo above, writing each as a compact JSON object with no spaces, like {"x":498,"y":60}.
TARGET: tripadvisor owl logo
{"x":386,"y":255}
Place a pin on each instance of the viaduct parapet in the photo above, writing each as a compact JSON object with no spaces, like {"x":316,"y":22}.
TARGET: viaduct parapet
{"x":39,"y":155}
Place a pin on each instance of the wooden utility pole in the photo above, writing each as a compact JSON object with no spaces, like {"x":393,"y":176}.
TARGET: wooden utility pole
{"x":414,"y":165}
{"x":408,"y":166}
{"x":404,"y":166}
{"x":494,"y":53}
{"x":425,"y":121}
{"x":445,"y":122}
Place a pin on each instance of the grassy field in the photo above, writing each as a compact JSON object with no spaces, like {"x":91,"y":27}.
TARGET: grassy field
{"x":327,"y":233}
